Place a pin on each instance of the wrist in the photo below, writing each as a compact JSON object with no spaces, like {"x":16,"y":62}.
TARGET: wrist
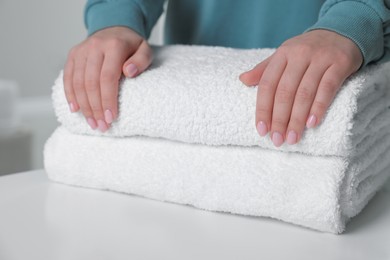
{"x":358,"y":22}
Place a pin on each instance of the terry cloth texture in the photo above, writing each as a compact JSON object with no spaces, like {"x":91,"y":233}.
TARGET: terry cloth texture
{"x":193,"y":94}
{"x":186,"y":134}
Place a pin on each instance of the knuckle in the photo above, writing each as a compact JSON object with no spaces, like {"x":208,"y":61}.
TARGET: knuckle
{"x":326,"y":56}
{"x":304,"y":95}
{"x":94,"y":42}
{"x":85,"y":110}
{"x":108,"y":77}
{"x":329,"y":85}
{"x":91,"y":84}
{"x":145,"y":58}
{"x":283,"y":50}
{"x":87,"y":114}
{"x":96,"y":110}
{"x":283,"y":95}
{"x":78,"y":84}
{"x":302,"y":50}
{"x":263,"y":112}
{"x":343,"y":59}
{"x":115,"y":43}
{"x":297,"y":122}
{"x":73,"y":52}
{"x":108,"y":100}
{"x":278,"y":123}
{"x":148,"y":53}
{"x":266,"y":86}
{"x":320,"y":106}
{"x":290,"y":48}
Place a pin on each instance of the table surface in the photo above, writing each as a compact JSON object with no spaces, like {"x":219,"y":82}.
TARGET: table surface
{"x":43,"y":220}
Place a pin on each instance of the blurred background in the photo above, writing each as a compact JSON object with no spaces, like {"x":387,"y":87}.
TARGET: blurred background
{"x":35,"y":39}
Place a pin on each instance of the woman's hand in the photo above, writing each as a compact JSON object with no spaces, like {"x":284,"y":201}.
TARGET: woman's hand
{"x":93,"y":70}
{"x":299,"y":81}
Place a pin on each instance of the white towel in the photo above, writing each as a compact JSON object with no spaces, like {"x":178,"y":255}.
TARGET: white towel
{"x":215,"y":159}
{"x":193,"y":94}
{"x":319,"y":192}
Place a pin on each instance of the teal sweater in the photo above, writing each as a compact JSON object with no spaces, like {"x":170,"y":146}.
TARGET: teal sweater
{"x":250,"y":23}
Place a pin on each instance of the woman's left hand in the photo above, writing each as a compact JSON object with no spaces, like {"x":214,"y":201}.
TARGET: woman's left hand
{"x":298,"y":82}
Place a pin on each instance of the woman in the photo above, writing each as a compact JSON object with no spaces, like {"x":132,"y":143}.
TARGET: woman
{"x":319,"y":44}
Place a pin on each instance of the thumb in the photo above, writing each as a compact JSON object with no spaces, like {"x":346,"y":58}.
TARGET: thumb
{"x":252,"y":77}
{"x":139,"y":61}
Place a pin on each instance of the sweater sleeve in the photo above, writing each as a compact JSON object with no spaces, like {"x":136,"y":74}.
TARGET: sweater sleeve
{"x":366,"y":22}
{"x":139,"y":15}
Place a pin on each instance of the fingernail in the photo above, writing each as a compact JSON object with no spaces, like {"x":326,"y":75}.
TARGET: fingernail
{"x":102,"y":126}
{"x":72,"y":107}
{"x":262,"y":128}
{"x":277,"y":139}
{"x":291,"y":137}
{"x":92,"y":123}
{"x":311,"y":121}
{"x":108,"y":116}
{"x":131,"y":70}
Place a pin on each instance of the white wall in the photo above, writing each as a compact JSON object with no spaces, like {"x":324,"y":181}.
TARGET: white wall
{"x":35,"y":37}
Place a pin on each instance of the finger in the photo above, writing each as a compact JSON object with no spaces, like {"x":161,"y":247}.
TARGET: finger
{"x":327,"y":89}
{"x":253,"y":76}
{"x":79,"y":90}
{"x":68,"y":88}
{"x":92,"y":87}
{"x":109,"y":81}
{"x":266,"y":93}
{"x":284,"y":99}
{"x":139,"y":61}
{"x":303,"y":101}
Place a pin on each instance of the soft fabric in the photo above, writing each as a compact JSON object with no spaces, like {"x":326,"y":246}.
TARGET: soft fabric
{"x":319,"y":192}
{"x":192,"y":94}
{"x":186,"y":134}
{"x":250,"y":23}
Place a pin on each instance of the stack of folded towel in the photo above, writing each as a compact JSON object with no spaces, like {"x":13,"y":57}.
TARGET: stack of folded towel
{"x":186,"y":134}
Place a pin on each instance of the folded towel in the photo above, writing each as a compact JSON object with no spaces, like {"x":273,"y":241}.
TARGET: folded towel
{"x":319,"y":192}
{"x":207,"y":152}
{"x":193,"y":94}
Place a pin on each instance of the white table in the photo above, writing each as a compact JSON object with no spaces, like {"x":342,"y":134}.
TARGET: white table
{"x":44,"y":220}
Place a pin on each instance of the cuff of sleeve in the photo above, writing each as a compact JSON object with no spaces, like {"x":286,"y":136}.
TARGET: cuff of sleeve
{"x":358,"y":22}
{"x":102,"y":14}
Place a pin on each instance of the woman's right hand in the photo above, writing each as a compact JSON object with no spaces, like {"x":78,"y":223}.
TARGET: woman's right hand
{"x":93,"y":70}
